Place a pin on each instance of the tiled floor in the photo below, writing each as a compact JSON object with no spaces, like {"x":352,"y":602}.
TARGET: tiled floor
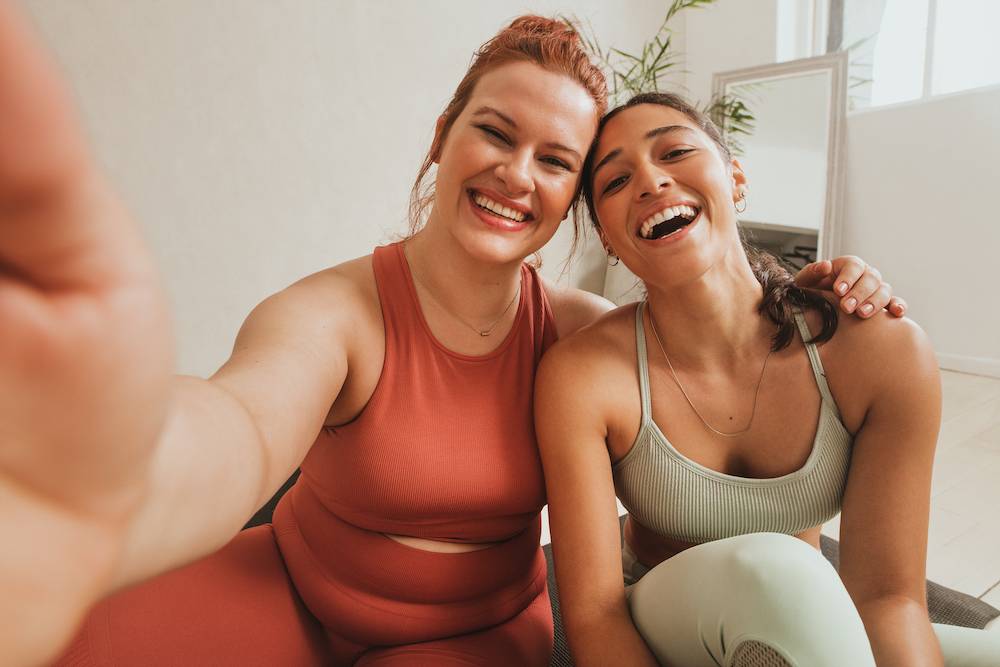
{"x":964,"y":538}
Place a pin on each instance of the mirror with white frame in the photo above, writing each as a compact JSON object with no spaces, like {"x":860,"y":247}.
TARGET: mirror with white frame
{"x":792,"y":158}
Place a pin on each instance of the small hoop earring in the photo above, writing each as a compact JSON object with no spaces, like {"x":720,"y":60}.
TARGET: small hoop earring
{"x":615,"y":257}
{"x":743,"y":199}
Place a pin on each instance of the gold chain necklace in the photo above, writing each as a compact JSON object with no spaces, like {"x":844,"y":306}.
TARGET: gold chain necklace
{"x":482,"y":332}
{"x":753,"y":411}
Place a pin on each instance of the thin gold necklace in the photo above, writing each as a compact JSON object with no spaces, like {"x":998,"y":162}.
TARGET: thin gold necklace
{"x":753,"y":411}
{"x":482,"y":332}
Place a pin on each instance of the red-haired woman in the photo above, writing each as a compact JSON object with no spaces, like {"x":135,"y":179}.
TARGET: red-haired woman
{"x":400,"y":383}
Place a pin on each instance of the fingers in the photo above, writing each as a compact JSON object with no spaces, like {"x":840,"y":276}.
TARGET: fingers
{"x":866,"y":305}
{"x":816,"y":275}
{"x":40,"y":143}
{"x":860,"y":286}
{"x":847,"y":270}
{"x":867,"y":295}
{"x":61,"y":227}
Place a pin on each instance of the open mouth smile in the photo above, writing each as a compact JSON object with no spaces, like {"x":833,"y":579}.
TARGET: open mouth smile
{"x":668,"y":222}
{"x":495,"y":208}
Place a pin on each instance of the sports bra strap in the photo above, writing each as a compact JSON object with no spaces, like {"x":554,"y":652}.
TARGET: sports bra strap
{"x":814,"y":360}
{"x":800,"y":320}
{"x":640,"y":352}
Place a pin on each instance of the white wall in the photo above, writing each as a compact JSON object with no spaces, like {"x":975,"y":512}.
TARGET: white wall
{"x":922,"y":206}
{"x":261,"y":140}
{"x":730,"y":34}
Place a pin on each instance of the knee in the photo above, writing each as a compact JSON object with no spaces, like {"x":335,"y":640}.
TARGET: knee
{"x":793,"y":600}
{"x":774,"y":564}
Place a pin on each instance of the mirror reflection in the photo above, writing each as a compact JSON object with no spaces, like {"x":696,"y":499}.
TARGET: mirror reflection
{"x":787,"y":151}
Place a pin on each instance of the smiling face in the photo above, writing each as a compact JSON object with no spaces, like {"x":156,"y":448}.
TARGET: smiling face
{"x":509,"y":168}
{"x":664,"y":194}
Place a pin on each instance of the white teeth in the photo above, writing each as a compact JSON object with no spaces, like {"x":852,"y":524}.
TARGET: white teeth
{"x":498,"y":208}
{"x":688,"y":212}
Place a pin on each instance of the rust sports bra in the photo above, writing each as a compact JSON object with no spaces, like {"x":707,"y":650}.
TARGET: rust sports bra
{"x":445,"y":448}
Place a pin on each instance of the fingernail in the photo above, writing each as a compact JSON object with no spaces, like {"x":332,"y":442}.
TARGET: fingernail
{"x":850,"y":304}
{"x":867,"y":309}
{"x":841,"y":288}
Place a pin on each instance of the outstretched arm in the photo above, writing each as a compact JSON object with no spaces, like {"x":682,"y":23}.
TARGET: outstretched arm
{"x":85,"y":354}
{"x":107,"y":462}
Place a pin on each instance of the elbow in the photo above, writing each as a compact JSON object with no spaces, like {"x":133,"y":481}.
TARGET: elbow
{"x":581,"y":625}
{"x":588,"y":632}
{"x":891,"y":606}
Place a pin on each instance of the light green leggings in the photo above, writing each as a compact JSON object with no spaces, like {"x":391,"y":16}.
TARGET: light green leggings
{"x":765,"y":600}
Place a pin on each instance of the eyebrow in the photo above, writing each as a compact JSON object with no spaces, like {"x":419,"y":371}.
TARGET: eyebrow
{"x":485,"y":111}
{"x":652,"y":134}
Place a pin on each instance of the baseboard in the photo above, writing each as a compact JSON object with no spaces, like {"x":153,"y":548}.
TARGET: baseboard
{"x":974,"y":365}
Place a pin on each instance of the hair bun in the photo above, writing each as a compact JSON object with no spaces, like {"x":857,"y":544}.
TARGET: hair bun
{"x":541,"y":26}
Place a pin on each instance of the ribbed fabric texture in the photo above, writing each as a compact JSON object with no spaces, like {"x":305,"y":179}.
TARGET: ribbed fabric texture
{"x":445,"y":448}
{"x":667,"y":492}
{"x":78,"y":654}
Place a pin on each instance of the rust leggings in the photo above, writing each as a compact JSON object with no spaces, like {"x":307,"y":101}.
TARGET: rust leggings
{"x":240,"y":606}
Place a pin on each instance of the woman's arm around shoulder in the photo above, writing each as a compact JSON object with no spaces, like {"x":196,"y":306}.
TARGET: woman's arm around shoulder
{"x":574,"y":395}
{"x":892,"y":372}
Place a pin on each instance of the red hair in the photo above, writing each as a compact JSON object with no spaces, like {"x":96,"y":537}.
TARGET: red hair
{"x":549,"y":43}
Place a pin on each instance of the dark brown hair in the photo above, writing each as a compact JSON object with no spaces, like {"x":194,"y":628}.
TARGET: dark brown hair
{"x":782,"y":297}
{"x":549,"y":43}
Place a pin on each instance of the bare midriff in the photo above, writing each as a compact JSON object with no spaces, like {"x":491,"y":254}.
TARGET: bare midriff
{"x":651,"y":548}
{"x":439,"y":546}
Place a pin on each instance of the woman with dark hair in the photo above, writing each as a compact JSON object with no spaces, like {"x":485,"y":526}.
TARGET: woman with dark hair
{"x":400,"y":383}
{"x":733,"y":413}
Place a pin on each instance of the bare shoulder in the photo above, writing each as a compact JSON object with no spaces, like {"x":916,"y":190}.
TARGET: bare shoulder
{"x":574,"y":308}
{"x":586,"y":385}
{"x":594,"y":351}
{"x":317,"y":320}
{"x":344,"y":283}
{"x":332,"y":297}
{"x":880,"y":342}
{"x":874,"y":359}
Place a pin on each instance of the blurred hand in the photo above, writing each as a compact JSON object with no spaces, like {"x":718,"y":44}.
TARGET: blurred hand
{"x":85,"y":358}
{"x":859,"y":286}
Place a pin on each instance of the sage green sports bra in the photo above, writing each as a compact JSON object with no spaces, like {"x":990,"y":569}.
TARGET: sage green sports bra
{"x":676,"y":497}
